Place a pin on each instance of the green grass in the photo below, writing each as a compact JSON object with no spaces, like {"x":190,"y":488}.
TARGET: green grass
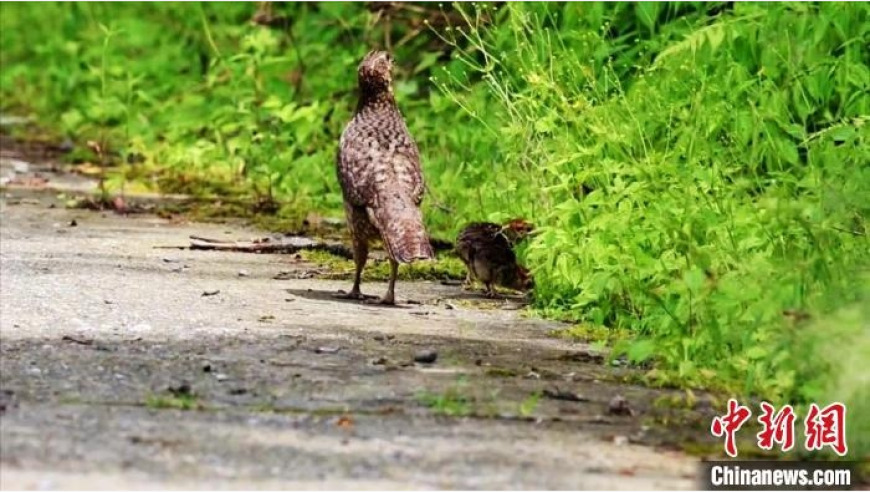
{"x":694,"y":176}
{"x":696,"y":170}
{"x":169,"y":401}
{"x":591,"y":333}
{"x":450,"y":403}
{"x":527,"y":407}
{"x":461,"y":400}
{"x":444,"y":267}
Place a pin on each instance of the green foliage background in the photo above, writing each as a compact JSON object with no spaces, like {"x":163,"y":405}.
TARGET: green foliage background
{"x":698,"y":171}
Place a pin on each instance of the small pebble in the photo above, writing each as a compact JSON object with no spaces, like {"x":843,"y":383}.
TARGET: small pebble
{"x":621,"y":361}
{"x":180,"y":390}
{"x":704,"y":403}
{"x":211,"y":292}
{"x":20,"y":167}
{"x":327,"y":350}
{"x":73,"y":223}
{"x":620,"y":440}
{"x":66,"y":146}
{"x":243,"y":273}
{"x":221,"y":377}
{"x":619,"y":406}
{"x":426,"y":356}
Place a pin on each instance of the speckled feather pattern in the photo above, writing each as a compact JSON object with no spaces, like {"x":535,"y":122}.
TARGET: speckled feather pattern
{"x":379,"y":169}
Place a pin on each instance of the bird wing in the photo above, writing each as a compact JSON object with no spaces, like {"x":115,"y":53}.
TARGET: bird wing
{"x":372,"y":162}
{"x":356,"y":169}
{"x":405,"y":162}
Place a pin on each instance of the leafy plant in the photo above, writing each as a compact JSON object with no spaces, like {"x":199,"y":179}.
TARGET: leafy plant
{"x":451,"y":402}
{"x":528,"y":406}
{"x":694,"y":173}
{"x":178,"y":402}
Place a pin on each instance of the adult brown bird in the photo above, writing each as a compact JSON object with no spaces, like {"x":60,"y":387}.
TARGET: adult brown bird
{"x":380,"y":176}
{"x":487,"y":251}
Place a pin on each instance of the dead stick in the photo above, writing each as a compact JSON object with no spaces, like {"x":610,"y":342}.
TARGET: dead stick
{"x":203,"y":244}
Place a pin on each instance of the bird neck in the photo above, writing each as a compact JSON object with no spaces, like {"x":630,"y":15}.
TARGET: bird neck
{"x":376,"y":100}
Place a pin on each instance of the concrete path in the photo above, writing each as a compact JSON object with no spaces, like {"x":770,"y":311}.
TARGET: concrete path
{"x":126,"y":365}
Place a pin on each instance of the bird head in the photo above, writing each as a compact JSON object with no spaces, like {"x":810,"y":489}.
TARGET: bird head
{"x":376,"y":71}
{"x":517,"y":229}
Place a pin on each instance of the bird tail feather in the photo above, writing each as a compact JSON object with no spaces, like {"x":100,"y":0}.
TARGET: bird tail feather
{"x":400,"y":223}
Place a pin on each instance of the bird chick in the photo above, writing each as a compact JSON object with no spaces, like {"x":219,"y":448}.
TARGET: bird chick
{"x":487,"y":251}
{"x":380,"y":176}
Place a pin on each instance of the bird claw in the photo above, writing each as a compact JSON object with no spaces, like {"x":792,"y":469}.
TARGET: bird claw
{"x":492,"y":294}
{"x":357,"y":295}
{"x":383,"y":301}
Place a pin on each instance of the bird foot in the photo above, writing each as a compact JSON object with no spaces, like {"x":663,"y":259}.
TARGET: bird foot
{"x":354,"y":294}
{"x":383,"y":301}
{"x":492,"y":294}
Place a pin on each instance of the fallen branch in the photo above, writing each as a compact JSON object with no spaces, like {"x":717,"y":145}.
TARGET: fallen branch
{"x":288,"y":245}
{"x":284,"y":245}
{"x":67,"y":338}
{"x":558,"y":394}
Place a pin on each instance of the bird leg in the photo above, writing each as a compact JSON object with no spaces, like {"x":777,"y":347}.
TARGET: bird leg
{"x":390,"y":297}
{"x":468,"y":283}
{"x":490,"y":291}
{"x":360,"y":255}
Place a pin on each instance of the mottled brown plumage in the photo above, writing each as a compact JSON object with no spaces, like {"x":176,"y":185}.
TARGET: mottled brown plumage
{"x":380,"y":176}
{"x":487,"y":251}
